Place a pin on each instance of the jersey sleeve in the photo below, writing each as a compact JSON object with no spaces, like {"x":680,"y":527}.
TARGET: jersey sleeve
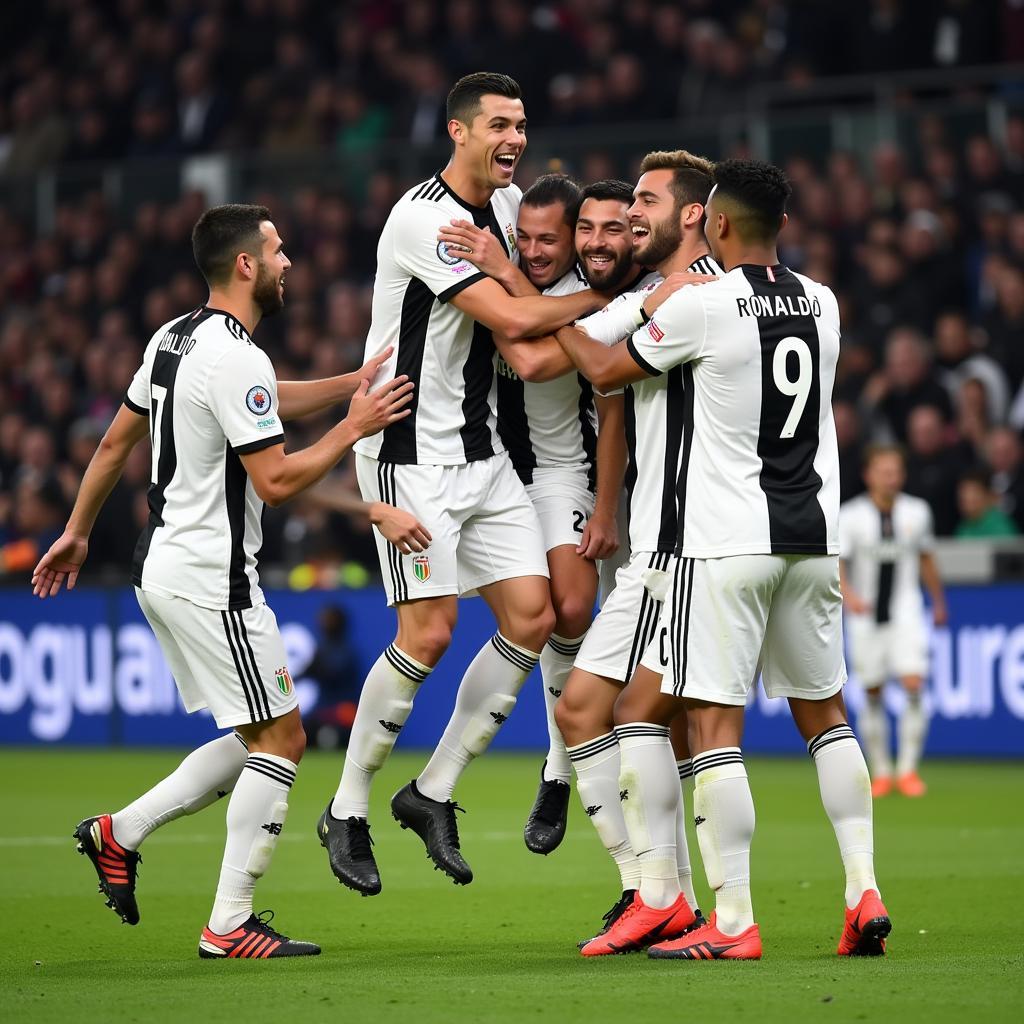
{"x":616,"y":321}
{"x":926,"y":542}
{"x":242,"y":395}
{"x":420,"y":254}
{"x":674,"y":335}
{"x":137,"y":395}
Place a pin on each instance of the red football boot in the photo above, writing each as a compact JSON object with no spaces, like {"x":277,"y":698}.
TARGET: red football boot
{"x":640,"y":925}
{"x":708,"y":943}
{"x":866,"y":927}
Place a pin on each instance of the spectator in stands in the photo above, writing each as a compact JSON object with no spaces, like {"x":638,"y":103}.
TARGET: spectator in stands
{"x":980,"y":514}
{"x":933,"y":466}
{"x":958,"y":361}
{"x":1005,"y":457}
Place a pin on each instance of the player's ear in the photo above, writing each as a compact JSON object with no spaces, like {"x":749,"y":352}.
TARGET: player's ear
{"x":784,"y":221}
{"x":456,"y":131}
{"x":245,"y":264}
{"x":693,"y":214}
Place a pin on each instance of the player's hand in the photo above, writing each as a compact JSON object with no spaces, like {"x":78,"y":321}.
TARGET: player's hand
{"x":600,"y":537}
{"x":477,"y":246}
{"x":399,"y":527}
{"x":372,"y":366}
{"x":856,"y":605}
{"x":372,"y":411}
{"x":940,"y":614}
{"x":671,"y":285}
{"x":60,"y":565}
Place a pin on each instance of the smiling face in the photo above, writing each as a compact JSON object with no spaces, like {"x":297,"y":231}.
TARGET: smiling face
{"x":604,"y":243}
{"x":268,"y":288}
{"x":491,"y":145}
{"x":544,"y":241}
{"x":655,"y":219}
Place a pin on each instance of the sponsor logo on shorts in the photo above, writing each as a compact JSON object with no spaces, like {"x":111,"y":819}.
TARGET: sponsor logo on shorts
{"x":284,"y":681}
{"x":421,"y":568}
{"x":257,"y":400}
{"x":655,"y":331}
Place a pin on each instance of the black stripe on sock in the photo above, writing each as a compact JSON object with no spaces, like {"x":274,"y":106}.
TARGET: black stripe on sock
{"x":266,"y":768}
{"x":517,"y":657}
{"x":641,"y":729}
{"x":401,"y":664}
{"x":284,"y":771}
{"x":253,"y":709}
{"x":591,"y":747}
{"x":566,"y":649}
{"x":831,"y":735}
{"x":240,"y":740}
{"x":702,"y":762}
{"x":685,"y":769}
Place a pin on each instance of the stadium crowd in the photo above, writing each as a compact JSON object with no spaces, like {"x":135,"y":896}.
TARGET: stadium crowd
{"x":924,"y":245}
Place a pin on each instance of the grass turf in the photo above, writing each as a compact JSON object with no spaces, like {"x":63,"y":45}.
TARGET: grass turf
{"x":503,"y":949}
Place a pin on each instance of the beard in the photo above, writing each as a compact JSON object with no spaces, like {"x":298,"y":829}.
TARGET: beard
{"x":266,"y":292}
{"x":608,"y":280}
{"x":663,"y":241}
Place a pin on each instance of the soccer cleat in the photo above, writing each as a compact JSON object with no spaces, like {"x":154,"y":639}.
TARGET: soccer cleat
{"x":866,"y":927}
{"x":640,"y":925}
{"x":253,"y":940}
{"x":706,"y":942}
{"x":911,"y":785}
{"x":347,"y":842}
{"x":116,"y":867}
{"x":545,"y":827}
{"x":434,"y":822}
{"x":618,"y":909}
{"x":882,"y":786}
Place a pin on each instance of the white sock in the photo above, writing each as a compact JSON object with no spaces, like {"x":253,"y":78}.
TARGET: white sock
{"x":596,"y":763}
{"x":384,"y":706}
{"x":207,"y":774}
{"x":486,"y":697}
{"x":873,"y":726}
{"x":649,"y":792}
{"x":846,"y":795}
{"x":724,"y":814}
{"x":556,"y":661}
{"x":684,"y":870}
{"x":911,"y":731}
{"x":256,"y":813}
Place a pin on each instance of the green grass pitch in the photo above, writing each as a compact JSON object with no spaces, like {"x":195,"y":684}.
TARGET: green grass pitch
{"x":951,"y":868}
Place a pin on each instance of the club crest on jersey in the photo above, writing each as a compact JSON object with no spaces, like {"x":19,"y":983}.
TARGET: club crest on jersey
{"x":284,"y":680}
{"x":510,"y":234}
{"x":257,"y":400}
{"x":655,"y":331}
{"x":421,"y":568}
{"x":446,"y":256}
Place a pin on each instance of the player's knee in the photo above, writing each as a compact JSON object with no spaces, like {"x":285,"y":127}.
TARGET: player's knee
{"x":428,"y":644}
{"x":573,"y":615}
{"x":626,"y":707}
{"x":534,"y":625}
{"x":294,"y":743}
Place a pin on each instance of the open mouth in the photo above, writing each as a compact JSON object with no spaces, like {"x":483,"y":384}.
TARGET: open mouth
{"x":599,"y":260}
{"x":506,"y":161}
{"x":639,"y":232}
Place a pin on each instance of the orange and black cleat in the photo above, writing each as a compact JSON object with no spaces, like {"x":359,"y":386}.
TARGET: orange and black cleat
{"x":639,"y":925}
{"x":866,"y":927}
{"x":253,"y":940}
{"x":116,"y":867}
{"x":706,"y":942}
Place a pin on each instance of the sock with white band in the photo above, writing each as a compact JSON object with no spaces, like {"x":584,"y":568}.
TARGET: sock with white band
{"x":911,"y":732}
{"x":684,"y":870}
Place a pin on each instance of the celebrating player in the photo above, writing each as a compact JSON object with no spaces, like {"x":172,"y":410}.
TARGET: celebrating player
{"x":885,"y":554}
{"x":666,"y":220}
{"x":567,"y":239}
{"x":757,"y":581}
{"x":207,"y":397}
{"x":446,"y":464}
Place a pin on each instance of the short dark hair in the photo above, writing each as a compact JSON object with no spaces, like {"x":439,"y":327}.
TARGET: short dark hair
{"x":464,"y":99}
{"x":222,"y":233}
{"x":979,"y":475}
{"x":549,"y":189}
{"x":878,"y":449}
{"x":692,"y":175}
{"x":605,"y":189}
{"x":761,"y":189}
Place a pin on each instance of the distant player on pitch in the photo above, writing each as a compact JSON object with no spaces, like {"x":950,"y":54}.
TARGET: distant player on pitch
{"x":207,"y":398}
{"x":885,"y":554}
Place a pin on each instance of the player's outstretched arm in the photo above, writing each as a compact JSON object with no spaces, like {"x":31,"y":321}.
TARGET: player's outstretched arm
{"x":63,"y":561}
{"x":534,"y":359}
{"x":601,"y":534}
{"x":278,"y":477}
{"x":526,"y":316}
{"x":297,"y":398}
{"x":607,"y":368}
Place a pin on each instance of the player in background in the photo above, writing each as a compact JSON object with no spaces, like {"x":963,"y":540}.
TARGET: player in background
{"x":756,"y":583}
{"x":885,"y":553}
{"x":446,"y":465}
{"x":666,"y":220}
{"x":207,"y":398}
{"x":572,"y":465}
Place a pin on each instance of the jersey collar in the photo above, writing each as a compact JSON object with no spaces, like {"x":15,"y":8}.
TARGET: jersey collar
{"x":462,"y":202}
{"x":232,"y":320}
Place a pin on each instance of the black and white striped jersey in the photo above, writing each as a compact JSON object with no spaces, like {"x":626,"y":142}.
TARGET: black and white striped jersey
{"x":549,"y":423}
{"x":654,"y":429}
{"x":211,"y":396}
{"x":882,"y":551}
{"x":448,"y":355}
{"x":760,"y":468}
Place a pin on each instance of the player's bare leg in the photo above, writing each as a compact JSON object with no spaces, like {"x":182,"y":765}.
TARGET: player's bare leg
{"x":486,"y":697}
{"x":573,"y":592}
{"x":424,"y":633}
{"x":255,"y":818}
{"x":911,"y":732}
{"x":679,"y":735}
{"x":873,"y":726}
{"x":846,"y":794}
{"x":650,"y":796}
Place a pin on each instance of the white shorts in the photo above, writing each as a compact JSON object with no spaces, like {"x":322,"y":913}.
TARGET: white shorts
{"x":889,"y":650}
{"x":230,"y":662}
{"x":726,"y":619}
{"x":563,"y":501}
{"x":626,"y":622}
{"x":483,"y":525}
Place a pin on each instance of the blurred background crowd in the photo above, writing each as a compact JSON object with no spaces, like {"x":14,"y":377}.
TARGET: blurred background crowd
{"x":921,"y":234}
